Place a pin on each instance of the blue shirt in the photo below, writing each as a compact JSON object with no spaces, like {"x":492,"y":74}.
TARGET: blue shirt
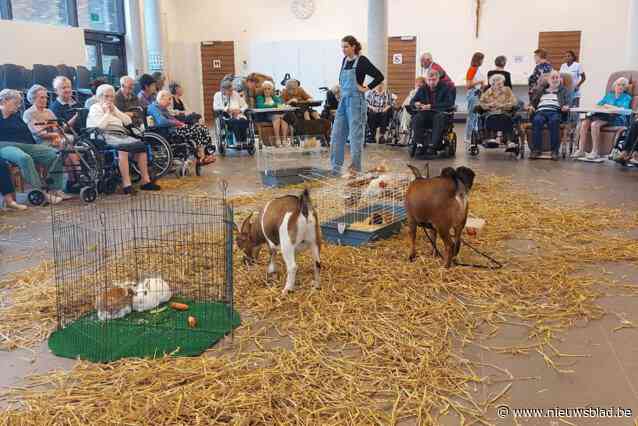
{"x":161,"y":116}
{"x":13,"y":129}
{"x":623,"y":101}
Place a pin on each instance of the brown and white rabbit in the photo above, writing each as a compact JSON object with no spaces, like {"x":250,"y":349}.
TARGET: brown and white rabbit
{"x":115,"y":302}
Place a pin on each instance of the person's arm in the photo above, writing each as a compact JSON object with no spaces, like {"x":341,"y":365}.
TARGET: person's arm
{"x":485,"y":101}
{"x":304,"y":96}
{"x":418,"y":99}
{"x":160,"y":118}
{"x":218,"y":102}
{"x":365,"y":67}
{"x":97,"y":117}
{"x":447,"y":99}
{"x":124,"y":118}
{"x":583,"y":77}
{"x":511,"y":101}
{"x":469,"y":77}
{"x":603,"y":101}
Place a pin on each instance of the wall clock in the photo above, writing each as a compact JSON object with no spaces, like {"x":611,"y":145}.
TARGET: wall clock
{"x":302,"y":9}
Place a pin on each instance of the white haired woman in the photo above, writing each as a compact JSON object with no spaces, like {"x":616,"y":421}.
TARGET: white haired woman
{"x":194,"y":133}
{"x":617,"y":99}
{"x":270,"y":100}
{"x":229,"y":102}
{"x":106,"y":116}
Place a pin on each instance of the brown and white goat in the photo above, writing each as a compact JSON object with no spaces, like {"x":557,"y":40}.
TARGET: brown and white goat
{"x":287,"y":224}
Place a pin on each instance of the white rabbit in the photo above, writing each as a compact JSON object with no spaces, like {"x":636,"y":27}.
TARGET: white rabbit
{"x":150,"y":293}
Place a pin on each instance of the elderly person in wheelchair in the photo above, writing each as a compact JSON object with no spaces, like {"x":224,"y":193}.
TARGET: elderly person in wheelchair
{"x":431,"y":105}
{"x":114,"y":123}
{"x":497,"y":107}
{"x":229,"y":105}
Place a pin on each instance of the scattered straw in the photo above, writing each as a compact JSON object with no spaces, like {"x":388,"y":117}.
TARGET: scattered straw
{"x":382,"y":342}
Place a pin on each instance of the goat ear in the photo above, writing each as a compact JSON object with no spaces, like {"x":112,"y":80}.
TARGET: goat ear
{"x":235,"y":228}
{"x":245,"y":226}
{"x":466,"y":175}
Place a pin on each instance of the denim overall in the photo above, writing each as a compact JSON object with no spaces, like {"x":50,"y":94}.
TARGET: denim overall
{"x":350,"y":121}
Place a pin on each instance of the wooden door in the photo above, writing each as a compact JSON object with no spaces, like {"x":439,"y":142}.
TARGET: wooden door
{"x":401,"y":65}
{"x":556,"y":43}
{"x":218,"y":60}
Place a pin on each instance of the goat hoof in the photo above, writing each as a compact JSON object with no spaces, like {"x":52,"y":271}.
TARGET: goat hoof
{"x":412,"y":257}
{"x":286,"y":291}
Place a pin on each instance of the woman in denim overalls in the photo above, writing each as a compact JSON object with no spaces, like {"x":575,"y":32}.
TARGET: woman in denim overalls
{"x":350,"y":120}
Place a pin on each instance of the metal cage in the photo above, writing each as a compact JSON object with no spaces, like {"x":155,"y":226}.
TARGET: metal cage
{"x":106,"y":253}
{"x":360,"y":208}
{"x":294,"y":161}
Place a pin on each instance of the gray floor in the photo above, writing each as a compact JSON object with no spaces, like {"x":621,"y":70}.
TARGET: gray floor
{"x":607,"y":377}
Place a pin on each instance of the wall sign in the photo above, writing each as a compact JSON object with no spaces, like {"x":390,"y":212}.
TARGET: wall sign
{"x":217,"y":64}
{"x":397,"y":58}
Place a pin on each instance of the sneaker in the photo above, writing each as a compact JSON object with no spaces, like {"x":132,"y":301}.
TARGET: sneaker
{"x":129,"y":190}
{"x":592,"y":156}
{"x":151,"y":186}
{"x":52,"y":199}
{"x":534,"y":155}
{"x":63,"y":195}
{"x":555,"y":156}
{"x":578,"y":154}
{"x":15,"y":206}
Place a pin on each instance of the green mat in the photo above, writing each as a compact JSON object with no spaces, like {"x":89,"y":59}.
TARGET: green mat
{"x":145,"y":334}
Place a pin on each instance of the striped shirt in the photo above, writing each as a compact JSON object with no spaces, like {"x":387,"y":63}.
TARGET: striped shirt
{"x":549,"y":102}
{"x":377,"y":102}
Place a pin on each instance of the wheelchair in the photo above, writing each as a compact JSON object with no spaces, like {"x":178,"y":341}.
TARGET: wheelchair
{"x":497,"y":130}
{"x":445,"y":149}
{"x":392,"y":131}
{"x":226,"y":137}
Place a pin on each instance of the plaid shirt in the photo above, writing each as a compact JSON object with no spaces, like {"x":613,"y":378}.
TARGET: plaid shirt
{"x":377,"y":102}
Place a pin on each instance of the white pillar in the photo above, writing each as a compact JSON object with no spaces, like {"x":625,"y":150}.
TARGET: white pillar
{"x":632,"y":36}
{"x":134,"y":40}
{"x":377,"y":49}
{"x":153,"y":33}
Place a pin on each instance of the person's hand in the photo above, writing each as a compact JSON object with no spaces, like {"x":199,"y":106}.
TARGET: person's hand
{"x":107,"y":107}
{"x":130,"y":114}
{"x":418,"y":105}
{"x":531,"y":109}
{"x":179,"y":124}
{"x":426,"y":107}
{"x":234,"y":112}
{"x":565,"y":108}
{"x":363,"y":88}
{"x":293,"y":100}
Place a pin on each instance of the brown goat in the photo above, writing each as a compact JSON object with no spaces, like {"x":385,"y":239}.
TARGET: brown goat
{"x":287,"y":223}
{"x":440,"y":204}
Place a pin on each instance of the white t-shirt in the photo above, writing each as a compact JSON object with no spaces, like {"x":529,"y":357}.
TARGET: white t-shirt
{"x":576,"y":71}
{"x":478,"y":78}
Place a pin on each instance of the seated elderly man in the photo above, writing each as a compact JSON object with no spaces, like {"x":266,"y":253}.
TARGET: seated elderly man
{"x":65,"y":107}
{"x":127,"y":102}
{"x":232,"y":105}
{"x":428,"y":103}
{"x":380,"y":108}
{"x":548,"y":102}
{"x":617,"y":99}
{"x":106,"y":116}
{"x":17,"y":146}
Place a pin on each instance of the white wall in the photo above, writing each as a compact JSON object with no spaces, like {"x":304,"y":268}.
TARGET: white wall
{"x":247,"y":21}
{"x":444,"y":27}
{"x":26,"y":43}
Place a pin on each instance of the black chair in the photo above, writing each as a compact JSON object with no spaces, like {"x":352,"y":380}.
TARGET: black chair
{"x":116,"y":70}
{"x":44,"y":75}
{"x":15,"y":77}
{"x":68,"y":72}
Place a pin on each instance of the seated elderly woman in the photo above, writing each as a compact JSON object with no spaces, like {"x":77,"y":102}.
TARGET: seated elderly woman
{"x":270,"y":100}
{"x":105,"y":115}
{"x":548,"y":102}
{"x":194,"y":133}
{"x":232,"y":105}
{"x":17,"y":146}
{"x":64,"y":106}
{"x":45,"y":129}
{"x":294,"y":93}
{"x":253,"y":87}
{"x":7,"y":189}
{"x":612,"y":101}
{"x":499,"y":103}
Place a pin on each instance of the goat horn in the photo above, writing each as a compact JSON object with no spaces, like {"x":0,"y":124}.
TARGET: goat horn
{"x":246,"y":221}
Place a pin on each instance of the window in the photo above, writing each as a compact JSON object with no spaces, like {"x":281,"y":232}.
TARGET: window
{"x":45,"y":11}
{"x":101,"y":15}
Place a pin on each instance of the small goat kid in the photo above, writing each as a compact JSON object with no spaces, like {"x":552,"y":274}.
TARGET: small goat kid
{"x":287,"y":223}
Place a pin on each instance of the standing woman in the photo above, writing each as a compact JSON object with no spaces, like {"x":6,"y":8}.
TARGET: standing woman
{"x":571,"y":66}
{"x":474,"y":83}
{"x":350,"y":120}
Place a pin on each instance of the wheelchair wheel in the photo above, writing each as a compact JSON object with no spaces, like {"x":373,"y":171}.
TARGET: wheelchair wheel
{"x":88,"y":194}
{"x":451,"y":147}
{"x":36,"y":197}
{"x":108,"y":185}
{"x":474,"y":150}
{"x":161,"y":155}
